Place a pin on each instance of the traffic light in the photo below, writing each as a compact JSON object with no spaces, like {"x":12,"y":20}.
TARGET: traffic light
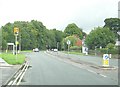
{"x":16,"y":31}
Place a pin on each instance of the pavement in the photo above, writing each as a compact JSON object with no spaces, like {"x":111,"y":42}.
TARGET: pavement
{"x":6,"y":71}
{"x":3,"y":63}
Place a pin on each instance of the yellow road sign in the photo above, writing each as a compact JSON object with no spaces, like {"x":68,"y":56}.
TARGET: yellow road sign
{"x":16,"y":30}
{"x":106,"y":62}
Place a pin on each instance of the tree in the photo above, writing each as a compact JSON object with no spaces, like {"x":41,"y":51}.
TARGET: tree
{"x":0,"y":39}
{"x":7,"y":35}
{"x":50,"y":41}
{"x":32,"y":35}
{"x":59,"y":35}
{"x":40,"y":34}
{"x":73,"y":29}
{"x":113,"y":24}
{"x":100,"y":37}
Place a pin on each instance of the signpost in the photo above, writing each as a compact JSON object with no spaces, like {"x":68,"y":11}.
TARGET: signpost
{"x":105,"y":60}
{"x":16,"y":32}
{"x":68,"y":43}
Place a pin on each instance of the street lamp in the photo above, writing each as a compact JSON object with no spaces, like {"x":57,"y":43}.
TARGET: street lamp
{"x":95,"y":50}
{"x":57,"y":45}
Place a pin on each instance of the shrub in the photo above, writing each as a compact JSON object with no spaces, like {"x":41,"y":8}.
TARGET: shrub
{"x":110,"y":46}
{"x":76,"y":48}
{"x":109,"y":51}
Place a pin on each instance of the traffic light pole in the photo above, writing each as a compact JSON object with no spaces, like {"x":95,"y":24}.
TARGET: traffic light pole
{"x":16,"y":32}
{"x":16,"y":45}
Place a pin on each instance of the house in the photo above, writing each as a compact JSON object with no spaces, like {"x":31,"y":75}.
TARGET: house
{"x":117,"y":43}
{"x":79,"y":42}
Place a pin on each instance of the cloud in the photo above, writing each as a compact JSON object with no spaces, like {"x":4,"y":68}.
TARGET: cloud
{"x":87,"y":14}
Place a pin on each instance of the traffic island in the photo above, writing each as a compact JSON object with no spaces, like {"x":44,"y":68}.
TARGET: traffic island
{"x":12,"y":60}
{"x":108,"y":67}
{"x":104,"y":67}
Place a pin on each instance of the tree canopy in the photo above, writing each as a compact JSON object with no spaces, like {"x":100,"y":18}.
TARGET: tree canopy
{"x":73,"y":29}
{"x":32,"y":34}
{"x":100,"y":37}
{"x":113,"y":24}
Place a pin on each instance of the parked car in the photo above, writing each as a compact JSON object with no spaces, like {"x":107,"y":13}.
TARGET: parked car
{"x":36,"y":50}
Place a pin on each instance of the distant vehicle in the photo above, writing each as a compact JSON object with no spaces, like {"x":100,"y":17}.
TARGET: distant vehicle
{"x":55,"y":50}
{"x":36,"y":50}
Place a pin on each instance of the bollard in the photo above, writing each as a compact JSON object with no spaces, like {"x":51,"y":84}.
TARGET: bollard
{"x":110,"y":55}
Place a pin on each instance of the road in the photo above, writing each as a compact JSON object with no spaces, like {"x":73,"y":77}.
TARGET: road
{"x":49,"y":70}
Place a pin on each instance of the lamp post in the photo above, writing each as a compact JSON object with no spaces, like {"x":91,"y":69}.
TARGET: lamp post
{"x":95,"y":50}
{"x":57,"y":45}
{"x":20,"y":41}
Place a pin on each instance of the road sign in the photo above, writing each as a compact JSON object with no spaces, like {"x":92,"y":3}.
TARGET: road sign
{"x":16,"y":31}
{"x":105,"y":60}
{"x":68,"y":42}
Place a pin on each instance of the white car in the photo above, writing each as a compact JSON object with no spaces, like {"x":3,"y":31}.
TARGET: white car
{"x":55,"y":50}
{"x":36,"y":50}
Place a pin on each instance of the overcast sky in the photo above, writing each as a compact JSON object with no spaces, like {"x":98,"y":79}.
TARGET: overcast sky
{"x":87,"y":14}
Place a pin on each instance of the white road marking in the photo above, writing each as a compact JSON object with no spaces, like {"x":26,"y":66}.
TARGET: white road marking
{"x":96,"y":73}
{"x":91,"y":71}
{"x":103,"y":75}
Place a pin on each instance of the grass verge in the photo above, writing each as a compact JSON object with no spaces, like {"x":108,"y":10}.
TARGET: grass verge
{"x":26,"y":51}
{"x":11,"y":59}
{"x":73,"y":52}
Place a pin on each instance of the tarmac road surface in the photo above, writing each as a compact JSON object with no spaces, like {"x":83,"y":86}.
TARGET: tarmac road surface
{"x":49,"y":70}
